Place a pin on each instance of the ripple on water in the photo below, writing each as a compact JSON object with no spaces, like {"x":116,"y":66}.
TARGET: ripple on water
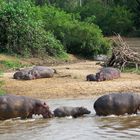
{"x":83,"y":128}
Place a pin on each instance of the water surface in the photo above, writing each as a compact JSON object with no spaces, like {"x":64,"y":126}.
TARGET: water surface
{"x":84,"y":128}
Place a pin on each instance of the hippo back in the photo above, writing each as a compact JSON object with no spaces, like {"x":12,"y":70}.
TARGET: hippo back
{"x":117,"y":103}
{"x":70,"y":111}
{"x":43,"y":72}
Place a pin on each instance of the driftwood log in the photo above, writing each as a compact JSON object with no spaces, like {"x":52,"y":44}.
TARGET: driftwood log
{"x":122,"y":55}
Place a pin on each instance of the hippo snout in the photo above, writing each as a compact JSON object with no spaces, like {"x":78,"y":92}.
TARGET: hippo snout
{"x":84,"y":110}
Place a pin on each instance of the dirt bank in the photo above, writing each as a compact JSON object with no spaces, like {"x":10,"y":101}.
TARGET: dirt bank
{"x":70,"y":82}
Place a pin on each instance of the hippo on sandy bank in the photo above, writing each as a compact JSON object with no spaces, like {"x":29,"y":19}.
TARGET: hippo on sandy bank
{"x":107,"y":73}
{"x":70,"y":111}
{"x":34,"y":73}
{"x":12,"y":106}
{"x":117,"y":104}
{"x":104,"y":74}
{"x":24,"y":74}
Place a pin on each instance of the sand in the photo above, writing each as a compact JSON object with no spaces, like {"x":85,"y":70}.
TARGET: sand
{"x":70,"y":82}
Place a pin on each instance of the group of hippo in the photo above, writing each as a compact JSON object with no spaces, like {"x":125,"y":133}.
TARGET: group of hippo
{"x":36,"y":72}
{"x":12,"y":106}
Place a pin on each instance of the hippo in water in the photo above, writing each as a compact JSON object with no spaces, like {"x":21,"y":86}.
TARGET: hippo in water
{"x":70,"y":111}
{"x":91,"y":77}
{"x":107,"y":73}
{"x":12,"y":106}
{"x":117,"y":104}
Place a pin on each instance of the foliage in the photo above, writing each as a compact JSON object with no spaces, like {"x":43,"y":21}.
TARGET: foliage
{"x":22,"y":30}
{"x":118,"y":20}
{"x":131,"y":70}
{"x":105,"y":13}
{"x":110,"y":19}
{"x":54,"y":47}
{"x":10,"y":64}
{"x":2,"y":92}
{"x":77,"y":37}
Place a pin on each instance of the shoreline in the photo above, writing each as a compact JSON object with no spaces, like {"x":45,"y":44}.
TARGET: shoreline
{"x":70,"y":83}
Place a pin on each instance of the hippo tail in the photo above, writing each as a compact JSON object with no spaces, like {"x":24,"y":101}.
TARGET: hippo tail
{"x":55,"y":71}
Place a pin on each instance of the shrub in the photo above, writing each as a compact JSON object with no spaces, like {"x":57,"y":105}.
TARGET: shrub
{"x":54,"y":47}
{"x":22,"y":32}
{"x":78,"y":37}
{"x":118,"y":20}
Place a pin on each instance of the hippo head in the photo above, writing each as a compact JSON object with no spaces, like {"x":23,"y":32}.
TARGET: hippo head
{"x":32,"y":74}
{"x":43,"y":109}
{"x":17,"y":75}
{"x":91,"y":77}
{"x":83,"y":110}
{"x":99,"y":76}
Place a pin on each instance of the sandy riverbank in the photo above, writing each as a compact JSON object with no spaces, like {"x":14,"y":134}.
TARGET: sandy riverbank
{"x":70,"y":82}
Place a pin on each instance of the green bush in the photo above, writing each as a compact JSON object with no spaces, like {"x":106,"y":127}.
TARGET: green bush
{"x":21,"y":30}
{"x":118,"y":20}
{"x":54,"y":47}
{"x":78,"y":37}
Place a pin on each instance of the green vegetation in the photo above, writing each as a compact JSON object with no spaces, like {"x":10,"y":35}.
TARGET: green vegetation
{"x":2,"y":92}
{"x":77,"y":37}
{"x":57,"y":27}
{"x":132,"y":69}
{"x":30,"y":30}
{"x":120,"y":16}
{"x":10,"y":64}
{"x":22,"y":31}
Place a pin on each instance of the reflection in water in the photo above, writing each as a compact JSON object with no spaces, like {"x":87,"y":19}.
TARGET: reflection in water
{"x":84,"y":128}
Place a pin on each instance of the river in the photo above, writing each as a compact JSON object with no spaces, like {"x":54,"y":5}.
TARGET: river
{"x":83,"y":128}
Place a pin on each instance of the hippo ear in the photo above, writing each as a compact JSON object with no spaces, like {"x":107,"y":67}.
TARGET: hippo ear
{"x":45,"y":105}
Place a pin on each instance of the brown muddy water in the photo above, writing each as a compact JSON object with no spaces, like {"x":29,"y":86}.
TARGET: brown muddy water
{"x":84,"y":128}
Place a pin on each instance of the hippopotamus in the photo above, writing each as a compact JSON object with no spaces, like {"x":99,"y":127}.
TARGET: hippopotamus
{"x":107,"y":73}
{"x":24,"y":74}
{"x":91,"y":77}
{"x":34,"y":73}
{"x":117,"y":104}
{"x":13,"y":106}
{"x":42,"y":72}
{"x":75,"y":112}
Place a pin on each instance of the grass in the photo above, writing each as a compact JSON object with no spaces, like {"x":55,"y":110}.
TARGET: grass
{"x":2,"y":92}
{"x":132,"y":70}
{"x":10,"y":64}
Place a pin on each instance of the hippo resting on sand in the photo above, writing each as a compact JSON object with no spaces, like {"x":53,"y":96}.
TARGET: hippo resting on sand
{"x":23,"y":74}
{"x":42,"y":72}
{"x":70,"y":111}
{"x":91,"y":77}
{"x":117,"y":104}
{"x":12,"y":106}
{"x":34,"y":73}
{"x":107,"y":73}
